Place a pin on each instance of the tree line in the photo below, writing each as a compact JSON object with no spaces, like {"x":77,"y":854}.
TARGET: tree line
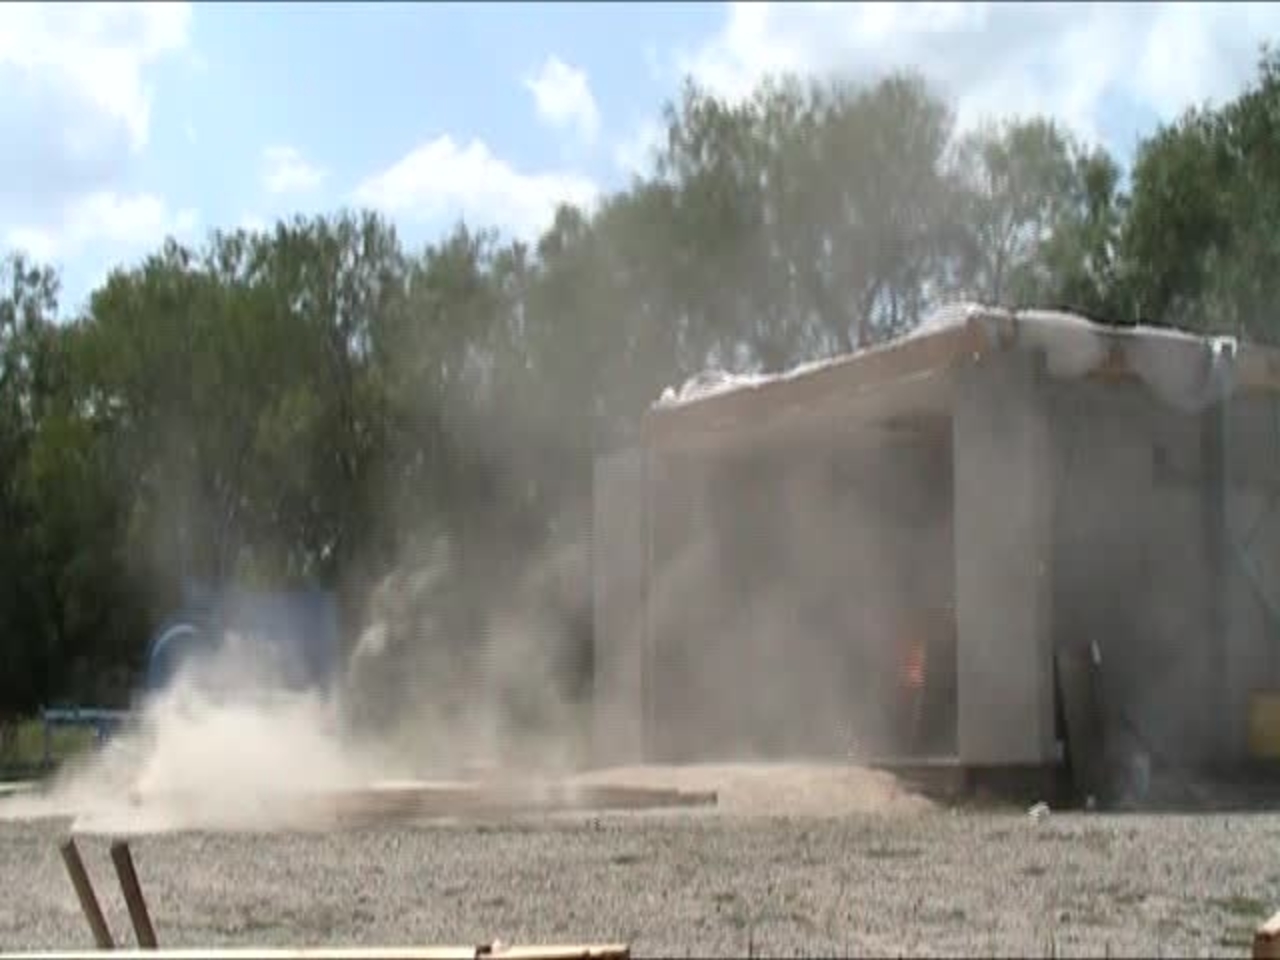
{"x":316,"y":403}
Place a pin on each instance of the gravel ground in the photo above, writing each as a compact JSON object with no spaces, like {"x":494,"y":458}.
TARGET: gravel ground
{"x":899,"y":878}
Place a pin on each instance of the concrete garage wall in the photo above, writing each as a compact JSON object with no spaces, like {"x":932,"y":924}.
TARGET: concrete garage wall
{"x":619,"y":564}
{"x":686,"y":600}
{"x":1003,"y":496}
{"x":1251,"y":659}
{"x":1081,"y":520}
{"x":1133,"y":569}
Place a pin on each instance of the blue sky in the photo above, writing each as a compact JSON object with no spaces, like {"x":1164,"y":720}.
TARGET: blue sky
{"x":125,"y":123}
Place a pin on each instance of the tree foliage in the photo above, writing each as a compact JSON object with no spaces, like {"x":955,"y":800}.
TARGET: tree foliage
{"x":316,"y":403}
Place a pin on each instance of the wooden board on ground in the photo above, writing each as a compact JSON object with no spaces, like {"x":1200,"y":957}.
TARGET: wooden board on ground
{"x":441,"y":800}
{"x":936,"y":777}
{"x":1266,"y":940}
{"x":493,"y":799}
{"x":551,"y":952}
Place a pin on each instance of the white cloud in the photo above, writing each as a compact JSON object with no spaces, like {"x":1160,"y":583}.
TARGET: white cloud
{"x":93,"y":54}
{"x":1071,"y":60}
{"x":563,"y":98}
{"x":441,"y":180}
{"x":76,"y":111}
{"x":285,"y":170}
{"x":122,"y":222}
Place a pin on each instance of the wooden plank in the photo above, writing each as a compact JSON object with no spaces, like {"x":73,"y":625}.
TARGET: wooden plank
{"x":635,"y":798}
{"x":84,"y":893}
{"x":550,"y":952}
{"x":1080,"y":695}
{"x":265,"y":953}
{"x":607,"y":952}
{"x":1258,"y":368}
{"x":492,"y":801}
{"x":429,"y":801}
{"x":1266,"y":940}
{"x":1264,"y":725}
{"x":133,"y":898}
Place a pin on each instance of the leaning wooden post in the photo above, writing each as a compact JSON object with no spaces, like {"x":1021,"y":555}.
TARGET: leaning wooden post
{"x":133,"y":898}
{"x":84,"y":891}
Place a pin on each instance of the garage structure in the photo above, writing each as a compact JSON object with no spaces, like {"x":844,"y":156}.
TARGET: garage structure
{"x":1004,"y":540}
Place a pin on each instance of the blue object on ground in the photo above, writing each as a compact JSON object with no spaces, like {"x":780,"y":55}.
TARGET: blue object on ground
{"x":103,"y":722}
{"x":293,"y":634}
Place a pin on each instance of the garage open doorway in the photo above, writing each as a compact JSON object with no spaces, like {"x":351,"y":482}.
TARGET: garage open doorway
{"x":802,"y":603}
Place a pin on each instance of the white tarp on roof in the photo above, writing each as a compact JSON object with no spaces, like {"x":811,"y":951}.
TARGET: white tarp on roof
{"x":1073,"y":346}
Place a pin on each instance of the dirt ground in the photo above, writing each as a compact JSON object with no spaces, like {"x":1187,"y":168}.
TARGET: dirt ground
{"x":791,"y":862}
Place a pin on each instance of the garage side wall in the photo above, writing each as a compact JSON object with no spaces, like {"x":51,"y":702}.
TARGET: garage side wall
{"x":1251,"y":654}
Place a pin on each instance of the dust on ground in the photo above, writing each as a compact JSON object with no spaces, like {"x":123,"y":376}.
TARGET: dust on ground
{"x":95,"y":803}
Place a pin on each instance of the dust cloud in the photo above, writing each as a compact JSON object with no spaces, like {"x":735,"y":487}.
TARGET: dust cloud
{"x":786,"y":578}
{"x":200,"y":754}
{"x":228,"y":746}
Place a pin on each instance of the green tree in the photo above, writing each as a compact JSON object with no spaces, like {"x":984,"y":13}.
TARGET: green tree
{"x":1041,"y":217}
{"x":1199,"y":244}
